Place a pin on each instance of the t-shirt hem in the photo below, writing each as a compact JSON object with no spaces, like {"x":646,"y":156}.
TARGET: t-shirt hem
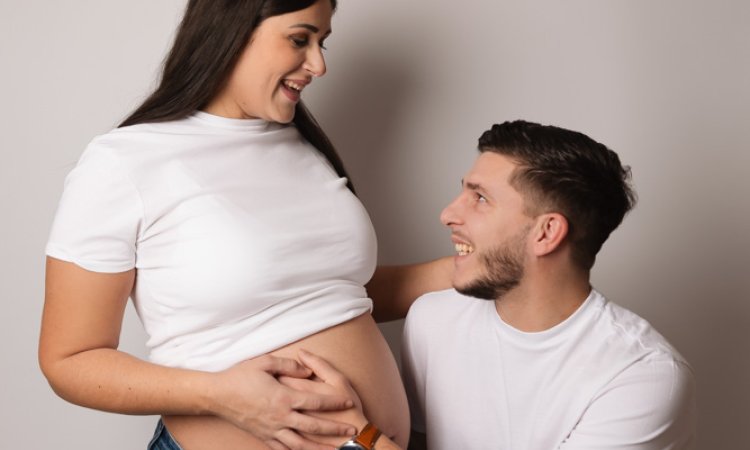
{"x":272,"y":342}
{"x":91,"y":266}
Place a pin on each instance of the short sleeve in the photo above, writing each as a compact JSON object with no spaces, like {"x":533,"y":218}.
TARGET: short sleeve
{"x":99,"y":215}
{"x":650,"y":406}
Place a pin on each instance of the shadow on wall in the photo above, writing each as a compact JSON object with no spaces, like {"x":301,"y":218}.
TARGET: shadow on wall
{"x":361,"y":110}
{"x":686,"y":254}
{"x":376,"y":109}
{"x":714,"y":291}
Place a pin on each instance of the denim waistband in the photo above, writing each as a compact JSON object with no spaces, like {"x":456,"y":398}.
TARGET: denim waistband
{"x":162,"y":440}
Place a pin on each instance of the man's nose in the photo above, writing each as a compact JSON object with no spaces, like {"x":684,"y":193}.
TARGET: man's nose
{"x":449,"y":216}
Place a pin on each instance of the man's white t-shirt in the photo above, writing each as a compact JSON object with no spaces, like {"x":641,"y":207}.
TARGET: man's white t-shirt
{"x":603,"y":379}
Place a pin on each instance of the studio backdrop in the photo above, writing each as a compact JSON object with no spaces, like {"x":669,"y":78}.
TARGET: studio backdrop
{"x":410,"y":87}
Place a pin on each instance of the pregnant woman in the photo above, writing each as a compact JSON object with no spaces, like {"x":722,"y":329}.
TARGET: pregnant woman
{"x":221,"y":208}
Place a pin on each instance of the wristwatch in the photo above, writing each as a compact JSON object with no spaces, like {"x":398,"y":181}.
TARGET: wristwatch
{"x":365,"y":440}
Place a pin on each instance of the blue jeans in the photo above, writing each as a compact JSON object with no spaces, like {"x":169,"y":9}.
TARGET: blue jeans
{"x":162,"y":440}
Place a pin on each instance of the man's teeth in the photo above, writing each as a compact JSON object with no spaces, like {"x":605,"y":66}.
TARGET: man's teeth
{"x":293,"y":85}
{"x":464,"y":249}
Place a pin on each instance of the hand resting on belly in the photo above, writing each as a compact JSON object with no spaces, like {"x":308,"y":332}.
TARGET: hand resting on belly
{"x":326,"y":380}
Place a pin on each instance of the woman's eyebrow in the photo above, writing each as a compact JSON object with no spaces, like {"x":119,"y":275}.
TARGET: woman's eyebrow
{"x":308,"y":26}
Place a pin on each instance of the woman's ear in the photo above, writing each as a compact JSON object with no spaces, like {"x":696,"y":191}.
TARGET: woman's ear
{"x":550,"y":231}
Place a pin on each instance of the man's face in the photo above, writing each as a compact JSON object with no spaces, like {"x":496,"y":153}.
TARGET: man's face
{"x":489,"y":229}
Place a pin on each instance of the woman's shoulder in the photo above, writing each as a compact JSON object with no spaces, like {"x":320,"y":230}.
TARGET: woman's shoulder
{"x":145,"y":132}
{"x":134,"y":141}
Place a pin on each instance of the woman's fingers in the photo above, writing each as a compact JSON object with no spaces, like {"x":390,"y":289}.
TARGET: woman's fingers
{"x":321,"y":368}
{"x":284,"y":366}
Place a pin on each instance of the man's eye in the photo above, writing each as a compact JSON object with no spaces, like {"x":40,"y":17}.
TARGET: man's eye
{"x":480,"y":198}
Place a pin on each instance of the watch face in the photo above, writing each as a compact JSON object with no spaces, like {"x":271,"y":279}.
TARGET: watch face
{"x":351,"y":446}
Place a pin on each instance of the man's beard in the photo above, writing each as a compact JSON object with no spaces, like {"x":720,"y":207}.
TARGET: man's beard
{"x":504,"y":269}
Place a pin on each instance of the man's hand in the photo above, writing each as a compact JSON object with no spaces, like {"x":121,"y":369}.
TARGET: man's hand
{"x":251,"y":396}
{"x":328,"y":381}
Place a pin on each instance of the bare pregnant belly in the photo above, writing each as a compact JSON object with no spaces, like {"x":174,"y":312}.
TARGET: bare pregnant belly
{"x":358,"y":350}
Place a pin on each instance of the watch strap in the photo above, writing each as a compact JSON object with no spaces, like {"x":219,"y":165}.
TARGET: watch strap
{"x":367,"y":437}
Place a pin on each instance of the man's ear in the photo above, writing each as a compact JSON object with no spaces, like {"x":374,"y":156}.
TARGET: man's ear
{"x":550,"y":231}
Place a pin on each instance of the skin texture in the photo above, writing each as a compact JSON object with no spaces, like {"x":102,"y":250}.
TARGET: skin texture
{"x":359,"y":352}
{"x":285,"y":47}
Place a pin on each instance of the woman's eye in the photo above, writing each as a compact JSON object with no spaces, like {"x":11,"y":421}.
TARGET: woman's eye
{"x":299,"y":41}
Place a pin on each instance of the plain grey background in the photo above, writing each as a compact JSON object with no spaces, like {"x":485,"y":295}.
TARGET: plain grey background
{"x":411,"y":86}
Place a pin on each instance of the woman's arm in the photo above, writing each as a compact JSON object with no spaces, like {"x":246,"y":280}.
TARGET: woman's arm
{"x":394,"y":288}
{"x":78,"y":354}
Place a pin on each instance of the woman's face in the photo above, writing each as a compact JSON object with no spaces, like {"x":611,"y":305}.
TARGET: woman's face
{"x":285,"y":52}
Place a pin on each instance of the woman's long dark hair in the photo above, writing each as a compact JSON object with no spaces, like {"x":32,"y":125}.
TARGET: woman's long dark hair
{"x":208,"y":44}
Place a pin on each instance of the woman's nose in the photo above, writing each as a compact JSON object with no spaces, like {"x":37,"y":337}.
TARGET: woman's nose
{"x":316,"y":63}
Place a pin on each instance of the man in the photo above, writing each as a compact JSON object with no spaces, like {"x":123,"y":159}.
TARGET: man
{"x":524,"y":354}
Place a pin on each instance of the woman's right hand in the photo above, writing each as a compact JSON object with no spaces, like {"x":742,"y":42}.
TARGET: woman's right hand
{"x":250,"y":396}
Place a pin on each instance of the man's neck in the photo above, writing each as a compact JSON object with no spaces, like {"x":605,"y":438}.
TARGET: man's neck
{"x":538,"y":306}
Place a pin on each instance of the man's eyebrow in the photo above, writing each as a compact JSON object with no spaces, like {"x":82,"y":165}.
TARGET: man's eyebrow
{"x":472,"y":186}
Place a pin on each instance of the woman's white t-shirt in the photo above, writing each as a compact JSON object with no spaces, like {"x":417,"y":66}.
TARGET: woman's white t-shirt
{"x":243,"y":236}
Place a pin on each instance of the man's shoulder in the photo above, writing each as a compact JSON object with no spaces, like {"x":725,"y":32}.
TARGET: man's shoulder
{"x":634,"y":334}
{"x":442,"y":302}
{"x":440,"y":309}
{"x":641,"y":386}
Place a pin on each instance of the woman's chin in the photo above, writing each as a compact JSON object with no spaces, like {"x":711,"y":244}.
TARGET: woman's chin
{"x":284,"y":118}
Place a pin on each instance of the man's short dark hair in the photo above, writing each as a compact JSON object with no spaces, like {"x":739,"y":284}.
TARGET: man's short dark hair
{"x":569,"y":173}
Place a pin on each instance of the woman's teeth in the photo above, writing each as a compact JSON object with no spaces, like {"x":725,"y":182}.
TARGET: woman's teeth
{"x":293,"y":85}
{"x":464,"y":249}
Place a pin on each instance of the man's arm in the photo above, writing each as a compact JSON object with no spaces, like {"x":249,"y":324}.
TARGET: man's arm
{"x":650,"y":406}
{"x":394,"y":288}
